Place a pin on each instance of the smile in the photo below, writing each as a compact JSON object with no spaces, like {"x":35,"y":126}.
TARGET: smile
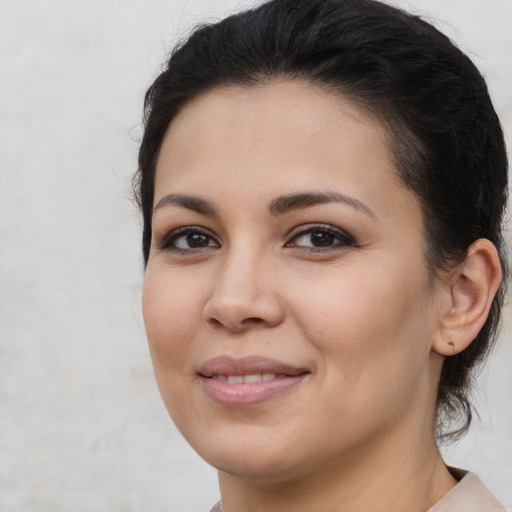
{"x":238,"y":379}
{"x":248,"y":382}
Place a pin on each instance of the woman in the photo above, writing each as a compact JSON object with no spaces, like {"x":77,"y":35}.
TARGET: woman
{"x":322,"y":184}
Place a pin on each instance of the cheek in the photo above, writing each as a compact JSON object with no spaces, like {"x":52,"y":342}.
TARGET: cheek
{"x":366,"y":319}
{"x":171,"y":311}
{"x":371,"y":331}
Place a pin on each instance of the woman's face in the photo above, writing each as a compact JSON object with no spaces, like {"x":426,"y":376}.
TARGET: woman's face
{"x":288,"y":305}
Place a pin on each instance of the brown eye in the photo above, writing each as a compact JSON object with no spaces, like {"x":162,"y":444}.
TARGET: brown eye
{"x":188,"y":239}
{"x":320,"y":238}
{"x":197,"y":240}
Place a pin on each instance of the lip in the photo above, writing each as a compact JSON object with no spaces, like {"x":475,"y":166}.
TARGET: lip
{"x":242,"y":395}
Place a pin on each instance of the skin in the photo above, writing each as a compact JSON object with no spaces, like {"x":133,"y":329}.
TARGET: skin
{"x":355,"y":303}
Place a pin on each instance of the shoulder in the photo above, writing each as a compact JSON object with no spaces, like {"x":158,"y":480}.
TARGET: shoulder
{"x":469,"y":495}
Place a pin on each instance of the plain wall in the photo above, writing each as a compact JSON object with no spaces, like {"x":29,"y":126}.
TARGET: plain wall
{"x":82,"y":426}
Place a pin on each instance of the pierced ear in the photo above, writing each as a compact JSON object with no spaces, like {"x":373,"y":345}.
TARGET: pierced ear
{"x":473,"y":287}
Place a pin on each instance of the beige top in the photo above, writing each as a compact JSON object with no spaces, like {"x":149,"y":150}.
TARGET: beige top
{"x":469,"y":495}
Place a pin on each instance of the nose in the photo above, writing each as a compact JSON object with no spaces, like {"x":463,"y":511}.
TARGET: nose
{"x":244,"y":296}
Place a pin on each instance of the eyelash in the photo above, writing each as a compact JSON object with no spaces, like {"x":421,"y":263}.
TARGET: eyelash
{"x":168,"y":241}
{"x":344,"y":240}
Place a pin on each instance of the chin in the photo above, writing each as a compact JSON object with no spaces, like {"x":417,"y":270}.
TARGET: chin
{"x":251,"y":456}
{"x":259,"y":469}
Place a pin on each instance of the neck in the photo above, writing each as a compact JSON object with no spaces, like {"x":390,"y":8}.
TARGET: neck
{"x":386,"y":477}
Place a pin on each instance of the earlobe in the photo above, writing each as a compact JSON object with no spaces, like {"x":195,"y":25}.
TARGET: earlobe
{"x":474,"y":285}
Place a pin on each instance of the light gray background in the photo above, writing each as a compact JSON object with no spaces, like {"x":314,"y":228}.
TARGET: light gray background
{"x":82,"y":427}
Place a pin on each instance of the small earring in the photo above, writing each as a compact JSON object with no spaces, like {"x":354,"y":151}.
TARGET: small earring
{"x":450,"y":342}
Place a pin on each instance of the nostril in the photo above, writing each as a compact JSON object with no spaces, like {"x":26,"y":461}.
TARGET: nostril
{"x":254,"y":320}
{"x":235,"y":326}
{"x":241,"y":313}
{"x":215,"y":322}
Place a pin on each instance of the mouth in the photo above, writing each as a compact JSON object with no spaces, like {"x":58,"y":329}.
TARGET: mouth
{"x":253,"y":377}
{"x":249,"y":381}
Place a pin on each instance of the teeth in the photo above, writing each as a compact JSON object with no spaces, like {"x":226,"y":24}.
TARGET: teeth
{"x":256,"y":377}
{"x":239,"y":379}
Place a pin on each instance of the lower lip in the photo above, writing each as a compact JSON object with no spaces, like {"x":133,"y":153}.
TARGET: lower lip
{"x":249,"y":394}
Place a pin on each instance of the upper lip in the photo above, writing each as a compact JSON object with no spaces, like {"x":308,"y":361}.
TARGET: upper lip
{"x":226,"y":365}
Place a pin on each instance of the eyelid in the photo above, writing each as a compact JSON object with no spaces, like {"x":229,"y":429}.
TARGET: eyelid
{"x":165,"y":242}
{"x":342,"y":235}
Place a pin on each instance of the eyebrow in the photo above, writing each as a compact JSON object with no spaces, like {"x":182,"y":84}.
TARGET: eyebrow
{"x":278,"y":206}
{"x":286,"y":203}
{"x":193,"y":203}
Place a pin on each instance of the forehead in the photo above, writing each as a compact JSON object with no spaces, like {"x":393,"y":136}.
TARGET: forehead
{"x":275,"y":118}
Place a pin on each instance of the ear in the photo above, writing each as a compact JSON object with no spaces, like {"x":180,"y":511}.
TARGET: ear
{"x":473,"y":286}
